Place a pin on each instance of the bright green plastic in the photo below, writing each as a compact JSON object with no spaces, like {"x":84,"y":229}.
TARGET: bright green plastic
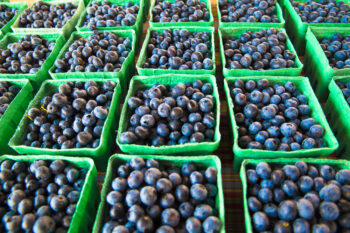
{"x":137,"y":27}
{"x":143,"y":53}
{"x":302,"y":84}
{"x":99,"y":154}
{"x":21,"y":6}
{"x":43,"y":74}
{"x":9,"y":121}
{"x":279,"y":14}
{"x":200,"y":161}
{"x":297,"y":29}
{"x":186,"y":24}
{"x":67,"y":29}
{"x":123,"y":75}
{"x":85,"y":211}
{"x":316,"y":63}
{"x":251,"y":163}
{"x":236,"y":32}
{"x":338,"y":113}
{"x":142,"y":82}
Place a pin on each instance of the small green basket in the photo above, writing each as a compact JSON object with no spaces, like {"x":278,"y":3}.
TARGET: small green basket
{"x":279,"y":14}
{"x":316,"y":63}
{"x":301,"y":83}
{"x":125,"y":73}
{"x":338,"y":113}
{"x":250,"y":163}
{"x":20,"y":6}
{"x":99,"y":154}
{"x":142,"y":82}
{"x":143,"y":53}
{"x":85,"y":211}
{"x":67,"y":29}
{"x":43,"y":74}
{"x":236,"y":32}
{"x":297,"y":29}
{"x":137,"y":27}
{"x":9,"y":121}
{"x":119,"y":159}
{"x":185,"y":24}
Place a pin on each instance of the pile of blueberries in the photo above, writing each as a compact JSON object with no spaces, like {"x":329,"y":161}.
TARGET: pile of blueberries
{"x":45,"y":15}
{"x":179,"y":50}
{"x":6,"y":14}
{"x":106,"y":14}
{"x":323,"y":11}
{"x":337,"y":50}
{"x":179,"y":11}
{"x":345,"y":88}
{"x":261,"y":50}
{"x":248,"y":11}
{"x":168,"y":116}
{"x":39,"y":197}
{"x":25,"y":56}
{"x":73,"y":117}
{"x":148,"y":196}
{"x":8,"y":92}
{"x":300,"y":198}
{"x":274,"y":117}
{"x":100,"y":52}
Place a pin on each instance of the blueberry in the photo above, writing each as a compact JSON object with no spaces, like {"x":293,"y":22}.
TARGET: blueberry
{"x":261,"y":221}
{"x":263,"y":170}
{"x":212,"y":224}
{"x":305,"y":209}
{"x":148,"y":195}
{"x":320,"y":228}
{"x":282,"y":226}
{"x":290,"y":188}
{"x":193,"y":225}
{"x":327,"y":172}
{"x":135,"y":212}
{"x":291,"y":172}
{"x":277,"y":177}
{"x":170,"y":217}
{"x":287,"y":210}
{"x":305,"y":184}
{"x":252,"y":176}
{"x":330,"y":192}
{"x":265,"y":195}
{"x":202,"y":211}
{"x":44,"y":224}
{"x":165,"y":229}
{"x":301,"y":225}
{"x":135,"y":179}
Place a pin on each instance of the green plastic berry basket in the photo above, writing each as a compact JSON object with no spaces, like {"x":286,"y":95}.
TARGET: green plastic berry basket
{"x":201,"y":161}
{"x":20,"y":6}
{"x":297,"y":29}
{"x":302,"y":84}
{"x":125,"y":73}
{"x":99,"y":155}
{"x":210,"y":22}
{"x":251,"y":163}
{"x":279,"y":14}
{"x":43,"y":74}
{"x":86,"y":207}
{"x":137,"y":27}
{"x":338,"y":113}
{"x":236,"y":32}
{"x":67,"y":29}
{"x":316,"y":63}
{"x":13,"y":114}
{"x":150,"y":71}
{"x":142,"y":82}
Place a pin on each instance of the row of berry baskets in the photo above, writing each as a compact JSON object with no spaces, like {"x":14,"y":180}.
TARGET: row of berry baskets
{"x":171,"y":111}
